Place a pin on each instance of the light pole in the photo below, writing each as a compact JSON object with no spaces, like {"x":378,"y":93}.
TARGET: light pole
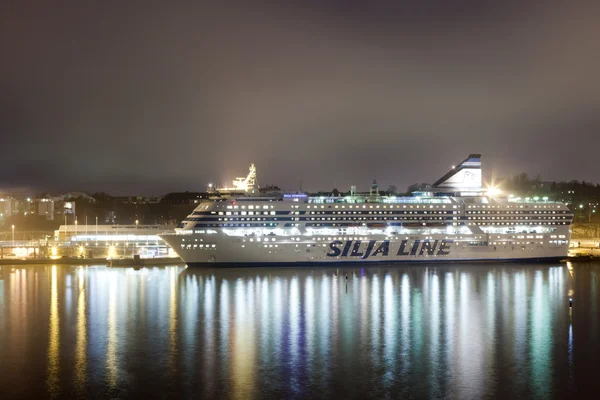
{"x":136,"y":236}
{"x":13,"y":235}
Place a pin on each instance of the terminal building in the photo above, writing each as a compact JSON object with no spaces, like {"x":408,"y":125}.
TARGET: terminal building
{"x":116,"y":240}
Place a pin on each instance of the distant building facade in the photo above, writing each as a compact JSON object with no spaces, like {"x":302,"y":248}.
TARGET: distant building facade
{"x":184,"y":198}
{"x":7,"y":206}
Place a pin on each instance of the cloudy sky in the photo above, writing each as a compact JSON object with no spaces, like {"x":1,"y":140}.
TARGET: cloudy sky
{"x":149,"y":97}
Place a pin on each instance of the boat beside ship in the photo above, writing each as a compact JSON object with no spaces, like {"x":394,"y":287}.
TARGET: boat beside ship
{"x":456,"y":219}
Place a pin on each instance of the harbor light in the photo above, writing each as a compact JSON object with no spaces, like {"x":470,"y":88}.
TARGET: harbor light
{"x":493,"y":191}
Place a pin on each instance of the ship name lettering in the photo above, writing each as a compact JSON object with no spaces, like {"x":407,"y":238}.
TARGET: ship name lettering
{"x":372,"y":248}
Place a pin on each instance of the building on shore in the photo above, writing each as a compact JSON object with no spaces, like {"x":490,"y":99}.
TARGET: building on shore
{"x":116,"y":240}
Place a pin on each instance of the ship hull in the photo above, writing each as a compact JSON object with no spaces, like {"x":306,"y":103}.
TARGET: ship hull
{"x":221,"y":250}
{"x":542,"y":260}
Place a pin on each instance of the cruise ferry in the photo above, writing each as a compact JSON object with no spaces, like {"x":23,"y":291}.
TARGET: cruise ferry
{"x":455,"y":219}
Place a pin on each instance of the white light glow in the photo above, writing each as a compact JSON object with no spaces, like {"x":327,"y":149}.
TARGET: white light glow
{"x":493,"y":191}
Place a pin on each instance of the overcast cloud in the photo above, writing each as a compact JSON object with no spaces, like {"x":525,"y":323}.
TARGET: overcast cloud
{"x":149,"y":97}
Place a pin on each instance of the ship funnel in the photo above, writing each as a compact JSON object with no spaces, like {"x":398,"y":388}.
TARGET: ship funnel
{"x":466,"y":175}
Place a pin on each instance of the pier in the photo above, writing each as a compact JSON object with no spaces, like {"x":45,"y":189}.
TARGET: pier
{"x":80,"y":245}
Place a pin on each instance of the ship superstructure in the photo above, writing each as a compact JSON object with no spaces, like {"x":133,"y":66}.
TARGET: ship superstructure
{"x":456,"y":219}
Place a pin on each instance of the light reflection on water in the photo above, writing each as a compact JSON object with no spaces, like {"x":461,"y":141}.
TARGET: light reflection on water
{"x":111,"y":351}
{"x":81,"y":339}
{"x":53,"y":335}
{"x":462,"y":332}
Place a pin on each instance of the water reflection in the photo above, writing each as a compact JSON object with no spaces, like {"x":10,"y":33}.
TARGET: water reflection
{"x":111,"y":351}
{"x":464,"y":332}
{"x":81,"y":341}
{"x":541,"y":337}
{"x":53,"y":337}
{"x":243,"y":346}
{"x":173,"y":321}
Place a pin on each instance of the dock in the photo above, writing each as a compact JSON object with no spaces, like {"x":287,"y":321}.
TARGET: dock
{"x":117,"y":262}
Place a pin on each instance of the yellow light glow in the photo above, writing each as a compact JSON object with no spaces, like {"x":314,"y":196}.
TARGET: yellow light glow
{"x":54,"y":251}
{"x":493,"y":191}
{"x":112,"y":252}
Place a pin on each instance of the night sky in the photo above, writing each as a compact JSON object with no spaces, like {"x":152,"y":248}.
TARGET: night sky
{"x":149,"y":97}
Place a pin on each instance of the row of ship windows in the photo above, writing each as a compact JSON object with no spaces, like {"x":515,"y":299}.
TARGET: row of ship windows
{"x":363,"y":206}
{"x":329,"y":238}
{"x":399,"y":224}
{"x":234,"y":225}
{"x":320,"y":212}
{"x":383,"y":212}
{"x":384,"y":206}
{"x":240,"y":213}
{"x":521,"y":218}
{"x":428,"y":218}
{"x":509,"y":206}
{"x":561,"y":242}
{"x":470,"y":244}
{"x":321,"y":218}
{"x":235,"y":213}
{"x":518,"y":212}
{"x":336,"y":219}
{"x":250,"y":207}
{"x":266,"y":239}
{"x":383,"y":218}
{"x":199,"y":246}
{"x":512,"y":223}
{"x":341,"y":224}
{"x":266,"y":207}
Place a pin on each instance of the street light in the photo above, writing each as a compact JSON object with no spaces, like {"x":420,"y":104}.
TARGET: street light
{"x":13,"y":234}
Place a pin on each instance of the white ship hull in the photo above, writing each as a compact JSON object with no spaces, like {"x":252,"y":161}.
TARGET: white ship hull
{"x":223,"y":250}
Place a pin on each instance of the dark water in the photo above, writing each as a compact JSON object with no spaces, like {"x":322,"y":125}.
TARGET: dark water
{"x":421,"y":332}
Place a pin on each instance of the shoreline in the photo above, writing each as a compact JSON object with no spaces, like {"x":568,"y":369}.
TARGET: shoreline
{"x":129,"y":262}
